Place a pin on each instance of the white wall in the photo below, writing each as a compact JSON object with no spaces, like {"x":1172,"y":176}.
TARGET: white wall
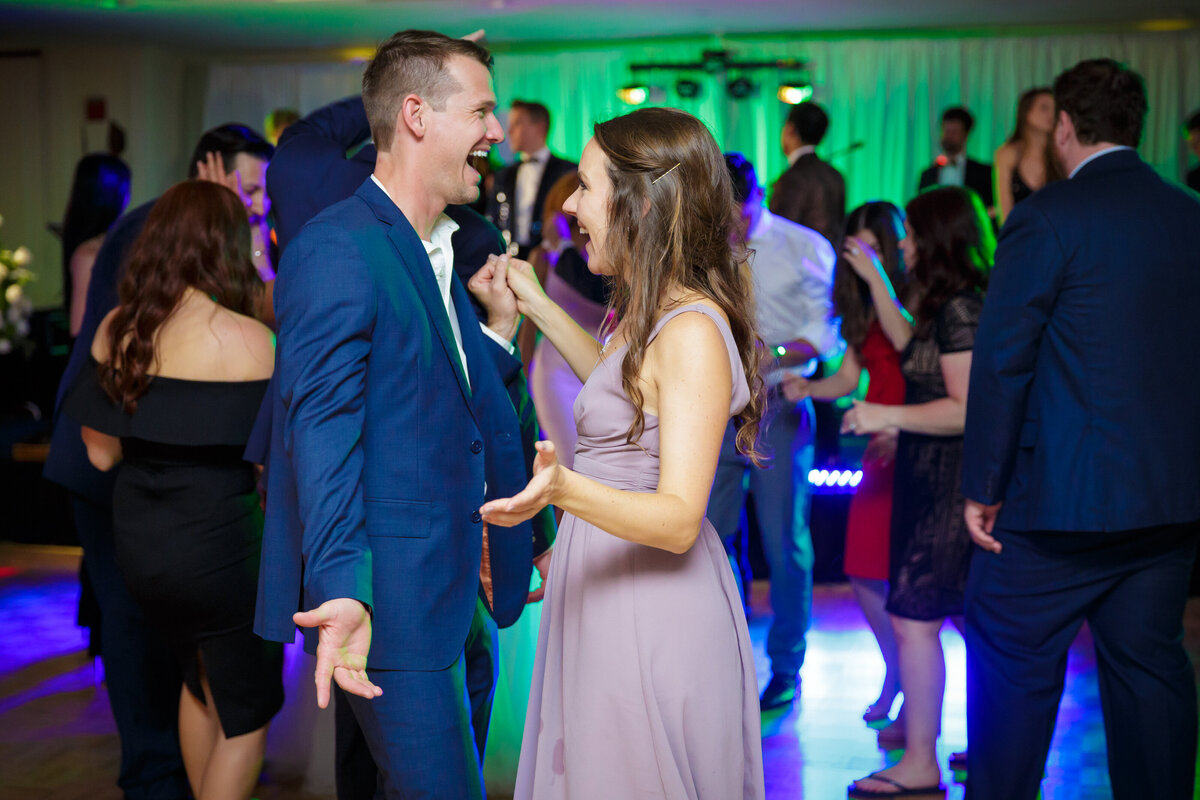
{"x":42,"y":128}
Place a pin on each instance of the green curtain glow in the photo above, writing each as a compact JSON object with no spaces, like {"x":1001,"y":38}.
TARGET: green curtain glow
{"x":885,"y":92}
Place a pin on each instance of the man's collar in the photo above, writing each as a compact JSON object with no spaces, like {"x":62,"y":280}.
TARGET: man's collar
{"x":760,"y":227}
{"x":443,"y":229}
{"x":540,"y":156}
{"x":1097,"y":154}
{"x":802,"y":150}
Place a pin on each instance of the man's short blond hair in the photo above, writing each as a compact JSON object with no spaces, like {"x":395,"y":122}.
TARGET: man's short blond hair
{"x":412,"y":62}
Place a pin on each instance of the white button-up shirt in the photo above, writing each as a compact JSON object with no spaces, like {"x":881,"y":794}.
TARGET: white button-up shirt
{"x":529,"y":178}
{"x":792,"y":269}
{"x":954,"y":171}
{"x":441,"y":258}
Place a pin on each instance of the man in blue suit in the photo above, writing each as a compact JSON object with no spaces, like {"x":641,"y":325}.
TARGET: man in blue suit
{"x":395,"y":427}
{"x":321,"y":160}
{"x":1082,"y":457}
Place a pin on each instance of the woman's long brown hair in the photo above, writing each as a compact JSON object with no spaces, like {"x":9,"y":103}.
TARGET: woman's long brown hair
{"x":851,"y":294}
{"x":955,"y":249}
{"x":197,"y":235}
{"x":670,"y":216}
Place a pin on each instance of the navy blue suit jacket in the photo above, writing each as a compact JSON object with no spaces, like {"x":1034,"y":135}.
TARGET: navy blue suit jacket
{"x":384,"y":448}
{"x":316,"y":165}
{"x":1085,"y":379}
{"x":68,"y":463}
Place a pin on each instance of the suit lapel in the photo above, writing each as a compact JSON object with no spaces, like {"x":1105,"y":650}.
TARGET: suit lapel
{"x":414,"y":258}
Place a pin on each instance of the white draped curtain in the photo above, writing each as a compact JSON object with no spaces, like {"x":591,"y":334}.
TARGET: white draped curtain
{"x":887,"y":93}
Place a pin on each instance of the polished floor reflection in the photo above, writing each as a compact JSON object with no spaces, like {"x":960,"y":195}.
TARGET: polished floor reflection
{"x":57,"y":740}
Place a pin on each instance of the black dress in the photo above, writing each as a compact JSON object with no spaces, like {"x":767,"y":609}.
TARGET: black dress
{"x":189,"y":531}
{"x":1020,"y":189}
{"x":930,"y":547}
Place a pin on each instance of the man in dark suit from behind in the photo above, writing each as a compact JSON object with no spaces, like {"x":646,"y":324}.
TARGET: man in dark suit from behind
{"x":141,"y":672}
{"x":519,"y":190}
{"x":953,"y":167}
{"x":1193,"y":140}
{"x":1082,"y":456}
{"x":810,"y":192}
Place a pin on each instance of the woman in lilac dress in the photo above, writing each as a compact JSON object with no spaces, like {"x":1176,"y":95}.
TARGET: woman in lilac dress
{"x":644,"y":684}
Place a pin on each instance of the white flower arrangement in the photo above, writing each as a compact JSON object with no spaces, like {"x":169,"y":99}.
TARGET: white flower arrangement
{"x":15,"y":306}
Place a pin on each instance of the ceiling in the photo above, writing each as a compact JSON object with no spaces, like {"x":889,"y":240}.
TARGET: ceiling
{"x":295,"y":24}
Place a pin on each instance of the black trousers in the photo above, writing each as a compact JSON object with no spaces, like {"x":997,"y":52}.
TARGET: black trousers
{"x":141,"y":672}
{"x":1024,"y":607}
{"x":356,"y":774}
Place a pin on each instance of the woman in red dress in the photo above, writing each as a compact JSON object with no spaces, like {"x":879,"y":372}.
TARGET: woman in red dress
{"x":868,"y":271}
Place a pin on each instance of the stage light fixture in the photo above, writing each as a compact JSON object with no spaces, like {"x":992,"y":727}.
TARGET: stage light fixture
{"x":687,"y":88}
{"x":740,"y":88}
{"x":634,"y":94}
{"x":794,"y":93}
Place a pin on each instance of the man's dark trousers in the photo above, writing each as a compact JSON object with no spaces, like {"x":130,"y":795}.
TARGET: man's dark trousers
{"x":1024,"y":607}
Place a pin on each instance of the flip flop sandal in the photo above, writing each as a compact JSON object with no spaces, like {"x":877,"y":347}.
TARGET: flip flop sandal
{"x":901,"y":790}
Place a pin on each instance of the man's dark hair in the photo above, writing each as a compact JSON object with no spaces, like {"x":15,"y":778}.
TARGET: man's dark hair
{"x":742,"y":173}
{"x":1105,"y":100}
{"x":961,"y":115}
{"x":411,"y":62}
{"x":809,"y":121}
{"x":538,"y":113}
{"x":1193,"y":122}
{"x":229,"y":140}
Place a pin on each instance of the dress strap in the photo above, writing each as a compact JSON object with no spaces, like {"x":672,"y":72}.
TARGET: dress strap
{"x":741,"y":392}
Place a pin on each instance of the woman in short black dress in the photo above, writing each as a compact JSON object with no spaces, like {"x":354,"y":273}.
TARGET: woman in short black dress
{"x":948,"y":251}
{"x":179,"y":371}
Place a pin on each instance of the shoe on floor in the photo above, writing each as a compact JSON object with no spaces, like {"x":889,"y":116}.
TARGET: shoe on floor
{"x":780,"y":692}
{"x":958,"y":761}
{"x":878,"y":712}
{"x":898,"y":789}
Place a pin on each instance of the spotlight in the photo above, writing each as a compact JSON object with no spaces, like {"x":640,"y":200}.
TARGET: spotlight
{"x":794,"y":93}
{"x":634,"y":94}
{"x":687,"y":88}
{"x":740,"y":88}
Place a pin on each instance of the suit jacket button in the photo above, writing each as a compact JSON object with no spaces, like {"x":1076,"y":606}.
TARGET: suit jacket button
{"x":476,"y":517}
{"x":476,"y":447}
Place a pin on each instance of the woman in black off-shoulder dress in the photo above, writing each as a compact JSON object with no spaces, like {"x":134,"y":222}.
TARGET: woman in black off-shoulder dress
{"x":178,"y":372}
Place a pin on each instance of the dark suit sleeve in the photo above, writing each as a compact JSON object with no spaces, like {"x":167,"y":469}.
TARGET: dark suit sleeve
{"x":512,"y":373}
{"x":324,"y":341}
{"x":928,"y":178}
{"x":309,"y":170}
{"x":1021,"y":297}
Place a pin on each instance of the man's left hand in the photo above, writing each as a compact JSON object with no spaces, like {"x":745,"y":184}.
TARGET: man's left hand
{"x":490,"y":287}
{"x":542,"y":563}
{"x":981,"y":521}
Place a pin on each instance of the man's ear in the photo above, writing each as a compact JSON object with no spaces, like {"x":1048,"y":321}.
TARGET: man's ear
{"x":413,"y":112}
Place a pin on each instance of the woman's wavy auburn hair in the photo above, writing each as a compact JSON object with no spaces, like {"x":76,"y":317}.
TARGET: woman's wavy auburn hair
{"x":197,"y":235}
{"x":955,"y":249}
{"x":670,"y":218}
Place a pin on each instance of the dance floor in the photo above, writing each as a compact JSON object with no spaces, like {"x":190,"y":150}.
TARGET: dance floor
{"x":58,"y":741}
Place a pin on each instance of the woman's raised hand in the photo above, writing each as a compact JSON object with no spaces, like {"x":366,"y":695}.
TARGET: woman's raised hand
{"x":537,"y":494}
{"x":862,"y":258}
{"x":524,"y":283}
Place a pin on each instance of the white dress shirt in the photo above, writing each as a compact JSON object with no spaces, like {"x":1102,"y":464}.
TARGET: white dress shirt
{"x":441,"y":258}
{"x":805,"y":149}
{"x":1096,"y":155}
{"x":954,"y":171}
{"x":792,"y":269}
{"x":529,"y":178}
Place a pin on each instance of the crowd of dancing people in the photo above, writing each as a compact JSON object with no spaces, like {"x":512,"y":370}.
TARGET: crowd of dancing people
{"x":362,"y":384}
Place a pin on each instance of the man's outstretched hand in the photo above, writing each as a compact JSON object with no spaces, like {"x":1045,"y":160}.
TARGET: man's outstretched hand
{"x":343,"y":639}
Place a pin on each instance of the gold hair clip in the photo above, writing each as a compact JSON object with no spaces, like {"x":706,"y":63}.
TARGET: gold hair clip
{"x":665,"y":174}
